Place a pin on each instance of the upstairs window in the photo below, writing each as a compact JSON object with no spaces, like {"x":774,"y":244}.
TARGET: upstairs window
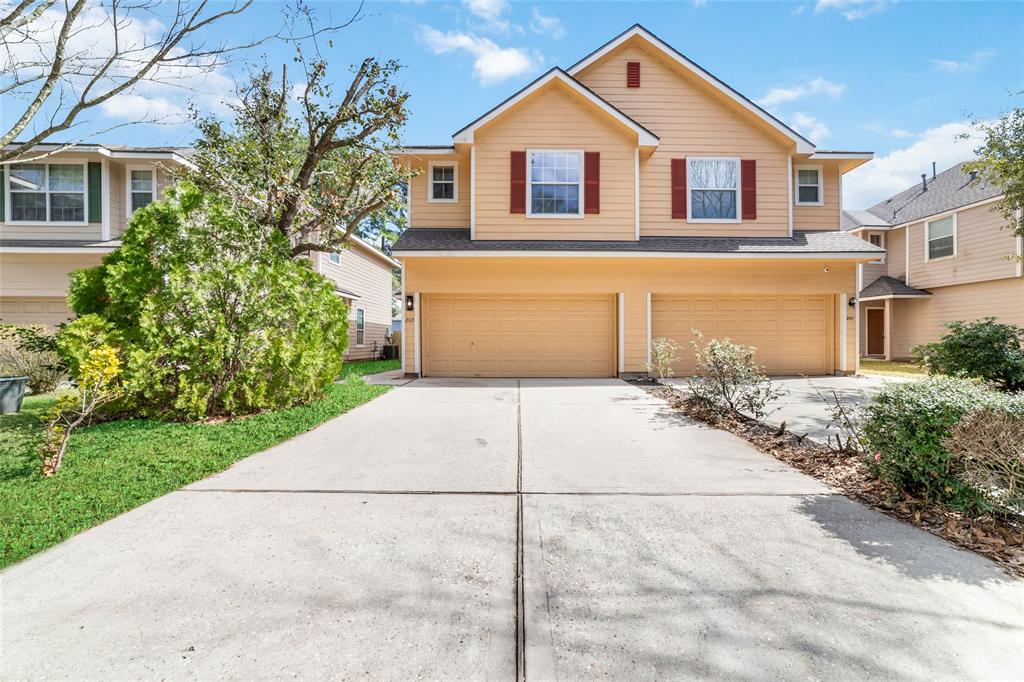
{"x":940,"y":236}
{"x":444,"y":184}
{"x":141,"y":188}
{"x":554,"y":180}
{"x":875,"y":239}
{"x":47,"y":192}
{"x":713,"y":190}
{"x":809,"y":191}
{"x":335,"y":257}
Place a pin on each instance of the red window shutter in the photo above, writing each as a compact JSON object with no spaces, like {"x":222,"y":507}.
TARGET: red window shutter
{"x":591,"y":182}
{"x":748,"y":180}
{"x":632,"y":74}
{"x":679,"y":188}
{"x":517,"y":191}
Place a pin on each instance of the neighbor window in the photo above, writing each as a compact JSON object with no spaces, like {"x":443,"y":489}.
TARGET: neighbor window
{"x":335,"y":257}
{"x":941,"y":236}
{"x":443,"y":183}
{"x":47,"y":192}
{"x":360,"y":327}
{"x":555,"y":183}
{"x":141,"y":188}
{"x":809,"y":186}
{"x":714,"y":189}
{"x":875,"y":239}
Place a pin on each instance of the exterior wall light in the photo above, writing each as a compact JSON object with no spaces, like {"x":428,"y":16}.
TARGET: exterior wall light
{"x":410,"y":302}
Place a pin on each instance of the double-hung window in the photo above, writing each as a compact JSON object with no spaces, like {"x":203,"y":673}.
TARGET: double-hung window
{"x":941,"y":238}
{"x":809,"y":186}
{"x":141,"y":188}
{"x":444,"y":183}
{"x":360,"y":327}
{"x":714,"y":190}
{"x":555,"y":183}
{"x":47,"y":192}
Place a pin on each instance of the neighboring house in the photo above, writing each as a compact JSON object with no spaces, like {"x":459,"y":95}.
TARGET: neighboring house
{"x":630,"y":197}
{"x":67,"y":210}
{"x":948,"y":252}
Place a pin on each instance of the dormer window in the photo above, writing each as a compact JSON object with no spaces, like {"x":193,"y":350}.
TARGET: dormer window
{"x":714,"y":185}
{"x":47,"y":193}
{"x":444,"y":183}
{"x":809,"y":190}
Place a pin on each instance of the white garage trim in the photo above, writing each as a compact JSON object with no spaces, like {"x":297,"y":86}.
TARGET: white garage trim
{"x":622,"y":332}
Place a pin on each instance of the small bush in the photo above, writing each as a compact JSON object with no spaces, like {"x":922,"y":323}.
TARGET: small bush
{"x":729,"y":380}
{"x":984,"y":349}
{"x":907,"y":426}
{"x":990,"y":443}
{"x":664,"y":354}
{"x":25,"y":351}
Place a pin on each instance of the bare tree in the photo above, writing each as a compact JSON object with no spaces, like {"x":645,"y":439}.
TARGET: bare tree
{"x":65,"y":57}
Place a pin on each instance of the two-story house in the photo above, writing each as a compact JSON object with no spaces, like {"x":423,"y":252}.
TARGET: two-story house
{"x":949,"y":256}
{"x":629,"y":197}
{"x":66,"y":210}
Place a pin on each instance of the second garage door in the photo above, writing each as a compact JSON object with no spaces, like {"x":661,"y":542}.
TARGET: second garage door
{"x":518,"y":336}
{"x":792,"y":334}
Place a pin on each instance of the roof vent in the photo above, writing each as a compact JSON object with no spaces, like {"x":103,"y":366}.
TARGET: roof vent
{"x":632,"y":74}
{"x":933,"y":170}
{"x":974,"y":175}
{"x":924,"y":182}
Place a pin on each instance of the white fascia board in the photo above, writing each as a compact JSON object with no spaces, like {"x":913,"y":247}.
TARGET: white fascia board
{"x":358,"y":241}
{"x":424,"y":151}
{"x":841,"y":155}
{"x":882,"y":298}
{"x":57,"y":249}
{"x":824,"y":255}
{"x":803,"y":146}
{"x":644,"y":137}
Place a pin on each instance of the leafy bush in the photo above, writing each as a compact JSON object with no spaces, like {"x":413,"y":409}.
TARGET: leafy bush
{"x":729,"y":380}
{"x":985,"y":349}
{"x":212,"y":313}
{"x":27,"y":351}
{"x":991,"y":445}
{"x":664,"y":354}
{"x":907,"y":426}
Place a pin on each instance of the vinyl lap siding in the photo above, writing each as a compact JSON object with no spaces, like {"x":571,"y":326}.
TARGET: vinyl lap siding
{"x":824,"y":217}
{"x":896,"y":253}
{"x":982,"y":248}
{"x":554,"y":119}
{"x":428,"y":214}
{"x":690,"y":122}
{"x":370,"y":279}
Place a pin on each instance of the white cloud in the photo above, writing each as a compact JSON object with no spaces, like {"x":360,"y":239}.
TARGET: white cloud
{"x":900,"y":133}
{"x":491,"y":12}
{"x":809,"y":127}
{"x":816,"y":86}
{"x":547,"y":25}
{"x":899,"y":169}
{"x":853,"y":10}
{"x":972,"y":62}
{"x":493,"y":63}
{"x":699,"y":3}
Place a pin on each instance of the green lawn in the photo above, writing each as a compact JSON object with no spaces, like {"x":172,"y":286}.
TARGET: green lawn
{"x":113,"y":467}
{"x":895,"y":368}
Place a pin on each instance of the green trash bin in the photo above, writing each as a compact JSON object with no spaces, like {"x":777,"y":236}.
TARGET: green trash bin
{"x":12,"y":390}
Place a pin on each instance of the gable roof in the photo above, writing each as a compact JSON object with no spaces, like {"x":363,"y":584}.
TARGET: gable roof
{"x":887,"y":287}
{"x":645,"y":137}
{"x":855,"y":220}
{"x":803,"y":145}
{"x":950,"y":189}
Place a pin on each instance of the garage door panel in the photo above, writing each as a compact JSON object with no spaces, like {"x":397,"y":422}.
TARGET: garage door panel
{"x":792,"y":334}
{"x":528,"y":335}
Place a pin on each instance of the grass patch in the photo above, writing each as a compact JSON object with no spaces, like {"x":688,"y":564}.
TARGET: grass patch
{"x":363,"y":367}
{"x":891,"y":368}
{"x":113,"y":467}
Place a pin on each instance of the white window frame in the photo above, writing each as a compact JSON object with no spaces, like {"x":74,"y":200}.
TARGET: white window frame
{"x":334,"y":257}
{"x":454,"y":165}
{"x":529,"y":184}
{"x":881,"y":243}
{"x":128,"y":186}
{"x":8,"y":208}
{"x":360,"y":343}
{"x":928,"y":239}
{"x":821,"y":184}
{"x":690,"y":189}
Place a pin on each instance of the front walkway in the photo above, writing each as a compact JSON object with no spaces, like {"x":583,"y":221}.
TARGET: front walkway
{"x":386,"y":544}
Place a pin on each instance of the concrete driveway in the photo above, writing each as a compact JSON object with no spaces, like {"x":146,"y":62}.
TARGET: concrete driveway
{"x":388,"y":543}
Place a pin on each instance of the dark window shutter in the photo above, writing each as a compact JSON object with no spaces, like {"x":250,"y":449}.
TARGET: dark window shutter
{"x":678,"y":188}
{"x":748,"y":180}
{"x":3,"y":196}
{"x":591,"y":182}
{"x":517,"y":190}
{"x":632,"y":74}
{"x":95,"y":192}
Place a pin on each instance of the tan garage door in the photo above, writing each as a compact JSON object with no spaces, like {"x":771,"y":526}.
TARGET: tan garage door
{"x":49,"y":310}
{"x":518,"y":336}
{"x":792,"y":334}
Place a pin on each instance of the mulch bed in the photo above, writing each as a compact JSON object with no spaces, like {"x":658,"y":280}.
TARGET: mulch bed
{"x":999,"y":539}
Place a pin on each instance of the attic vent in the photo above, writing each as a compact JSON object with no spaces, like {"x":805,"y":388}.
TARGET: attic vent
{"x":632,"y":74}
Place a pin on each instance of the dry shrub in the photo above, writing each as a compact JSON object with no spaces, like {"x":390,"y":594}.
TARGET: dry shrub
{"x":990,"y":443}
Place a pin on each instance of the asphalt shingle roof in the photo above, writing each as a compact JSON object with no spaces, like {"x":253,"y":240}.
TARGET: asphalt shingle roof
{"x":458,"y":239}
{"x":950,"y":189}
{"x":890,"y":286}
{"x":851,"y":220}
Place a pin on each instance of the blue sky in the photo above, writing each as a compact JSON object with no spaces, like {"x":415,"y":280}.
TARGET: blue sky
{"x":898,"y":78}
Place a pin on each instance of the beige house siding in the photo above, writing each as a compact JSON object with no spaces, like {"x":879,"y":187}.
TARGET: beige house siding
{"x":826,"y":216}
{"x":554,"y":119}
{"x":369,"y":278}
{"x":896,"y":253}
{"x":439,"y":214}
{"x":691,"y":122}
{"x":981,"y":250}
